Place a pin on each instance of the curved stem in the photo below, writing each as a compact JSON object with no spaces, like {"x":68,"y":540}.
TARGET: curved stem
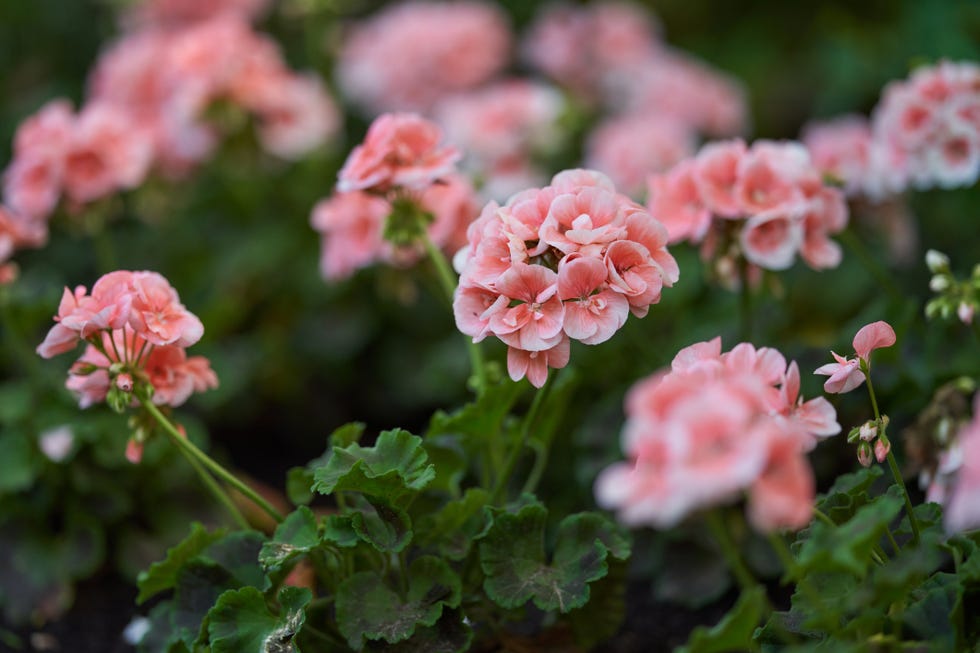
{"x":515,"y":453}
{"x":208,"y":462}
{"x":213,"y":486}
{"x":448,"y":281}
{"x":892,"y":463}
{"x":728,"y":550}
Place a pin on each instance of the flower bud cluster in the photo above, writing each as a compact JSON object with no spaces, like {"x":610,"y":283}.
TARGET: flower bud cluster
{"x":768,"y":201}
{"x":871,"y":440}
{"x":961,"y":298}
{"x":568,"y":261}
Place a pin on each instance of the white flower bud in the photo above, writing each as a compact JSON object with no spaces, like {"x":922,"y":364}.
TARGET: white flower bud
{"x":939,"y":283}
{"x":937,"y":261}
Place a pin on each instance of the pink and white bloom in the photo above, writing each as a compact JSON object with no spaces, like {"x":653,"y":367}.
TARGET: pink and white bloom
{"x":569,"y":261}
{"x":716,"y":427}
{"x":400,"y":150}
{"x":962,"y":510}
{"x":846,"y":374}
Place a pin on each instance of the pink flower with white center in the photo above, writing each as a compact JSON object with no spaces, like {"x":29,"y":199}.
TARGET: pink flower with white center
{"x":635,"y":274}
{"x":769,"y":176}
{"x":157,"y":314}
{"x":715,"y":174}
{"x":400,"y":150}
{"x":589,"y":216}
{"x":473,"y":307}
{"x":674,"y":199}
{"x":632,"y":147}
{"x":408,"y":56}
{"x":535,"y":323}
{"x":535,"y":364}
{"x":593,"y":312}
{"x":846,"y":374}
{"x":351,"y":225}
{"x":771,"y":239}
{"x":962,"y":511}
{"x":705,"y":433}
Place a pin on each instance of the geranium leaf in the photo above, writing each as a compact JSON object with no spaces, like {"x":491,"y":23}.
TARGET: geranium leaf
{"x":512,"y":556}
{"x":481,"y":420}
{"x":847,"y":547}
{"x":162,"y":575}
{"x":296,"y":535}
{"x":339,"y":530}
{"x":449,"y":635}
{"x":238,"y":553}
{"x":394,"y":466}
{"x":369,"y":609}
{"x":385,"y":527}
{"x":734,"y":631}
{"x":453,"y":529}
{"x":241,"y":620}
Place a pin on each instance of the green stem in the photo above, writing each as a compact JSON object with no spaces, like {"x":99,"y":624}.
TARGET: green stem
{"x":213,"y":487}
{"x":891,"y":540}
{"x":719,"y":531}
{"x":819,"y":514}
{"x":745,"y":301}
{"x":892,"y":463}
{"x":515,"y":453}
{"x":448,"y":281}
{"x":207,"y":461}
{"x":537,"y":471}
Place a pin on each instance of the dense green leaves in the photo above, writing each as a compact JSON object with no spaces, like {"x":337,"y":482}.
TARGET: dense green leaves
{"x":393,"y":467}
{"x":517,"y":570}
{"x":241,"y":620}
{"x":163,"y":575}
{"x":734,"y":632}
{"x":368,"y":608}
{"x":296,"y":535}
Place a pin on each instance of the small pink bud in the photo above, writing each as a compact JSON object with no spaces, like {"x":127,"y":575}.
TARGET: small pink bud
{"x":882,"y":447}
{"x":965,"y":312}
{"x":124,"y":382}
{"x":864,"y":454}
{"x":134,"y":451}
{"x":869,"y":431}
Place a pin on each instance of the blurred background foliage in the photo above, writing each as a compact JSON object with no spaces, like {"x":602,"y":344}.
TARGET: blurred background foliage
{"x":297,"y":356}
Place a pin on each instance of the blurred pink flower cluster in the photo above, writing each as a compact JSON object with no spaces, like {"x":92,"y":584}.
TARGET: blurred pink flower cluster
{"x":412,"y":54}
{"x":136,"y":329}
{"x":402,"y":156}
{"x":712,"y":428}
{"x":148,"y":99}
{"x":924,"y":132}
{"x":767,"y":202}
{"x":955,"y":483}
{"x":571,"y":260}
{"x":163,"y":13}
{"x":610,"y":55}
{"x":502,"y":128}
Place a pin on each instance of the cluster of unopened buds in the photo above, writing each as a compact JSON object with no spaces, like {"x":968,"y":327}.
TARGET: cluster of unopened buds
{"x":136,"y":332}
{"x":569,"y":261}
{"x":765,"y":203}
{"x":954,"y":296}
{"x":871,"y":440}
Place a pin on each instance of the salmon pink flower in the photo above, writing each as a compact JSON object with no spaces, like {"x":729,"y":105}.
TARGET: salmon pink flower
{"x":713,"y":428}
{"x":535,"y":323}
{"x":962,"y":510}
{"x":846,"y":374}
{"x":400,"y":150}
{"x":158,"y":315}
{"x":593,"y":312}
{"x":535,"y":364}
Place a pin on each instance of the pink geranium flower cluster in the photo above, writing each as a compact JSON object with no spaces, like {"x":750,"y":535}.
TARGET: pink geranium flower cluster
{"x":502,"y":127}
{"x":924,"y":132}
{"x":713,"y":428}
{"x":410,"y":55}
{"x":136,"y":330}
{"x":167,"y":79}
{"x":403,"y":157}
{"x":658,"y":99}
{"x":767,"y":202}
{"x":568,"y":261}
{"x":169,"y":13}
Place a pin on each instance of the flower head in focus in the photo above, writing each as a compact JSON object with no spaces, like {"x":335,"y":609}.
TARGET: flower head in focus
{"x":847,"y":374}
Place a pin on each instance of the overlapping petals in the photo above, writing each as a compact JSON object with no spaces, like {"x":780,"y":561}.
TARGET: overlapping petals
{"x":569,"y":261}
{"x":846,"y":374}
{"x":713,"y":428}
{"x":768,"y":200}
{"x":136,"y":329}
